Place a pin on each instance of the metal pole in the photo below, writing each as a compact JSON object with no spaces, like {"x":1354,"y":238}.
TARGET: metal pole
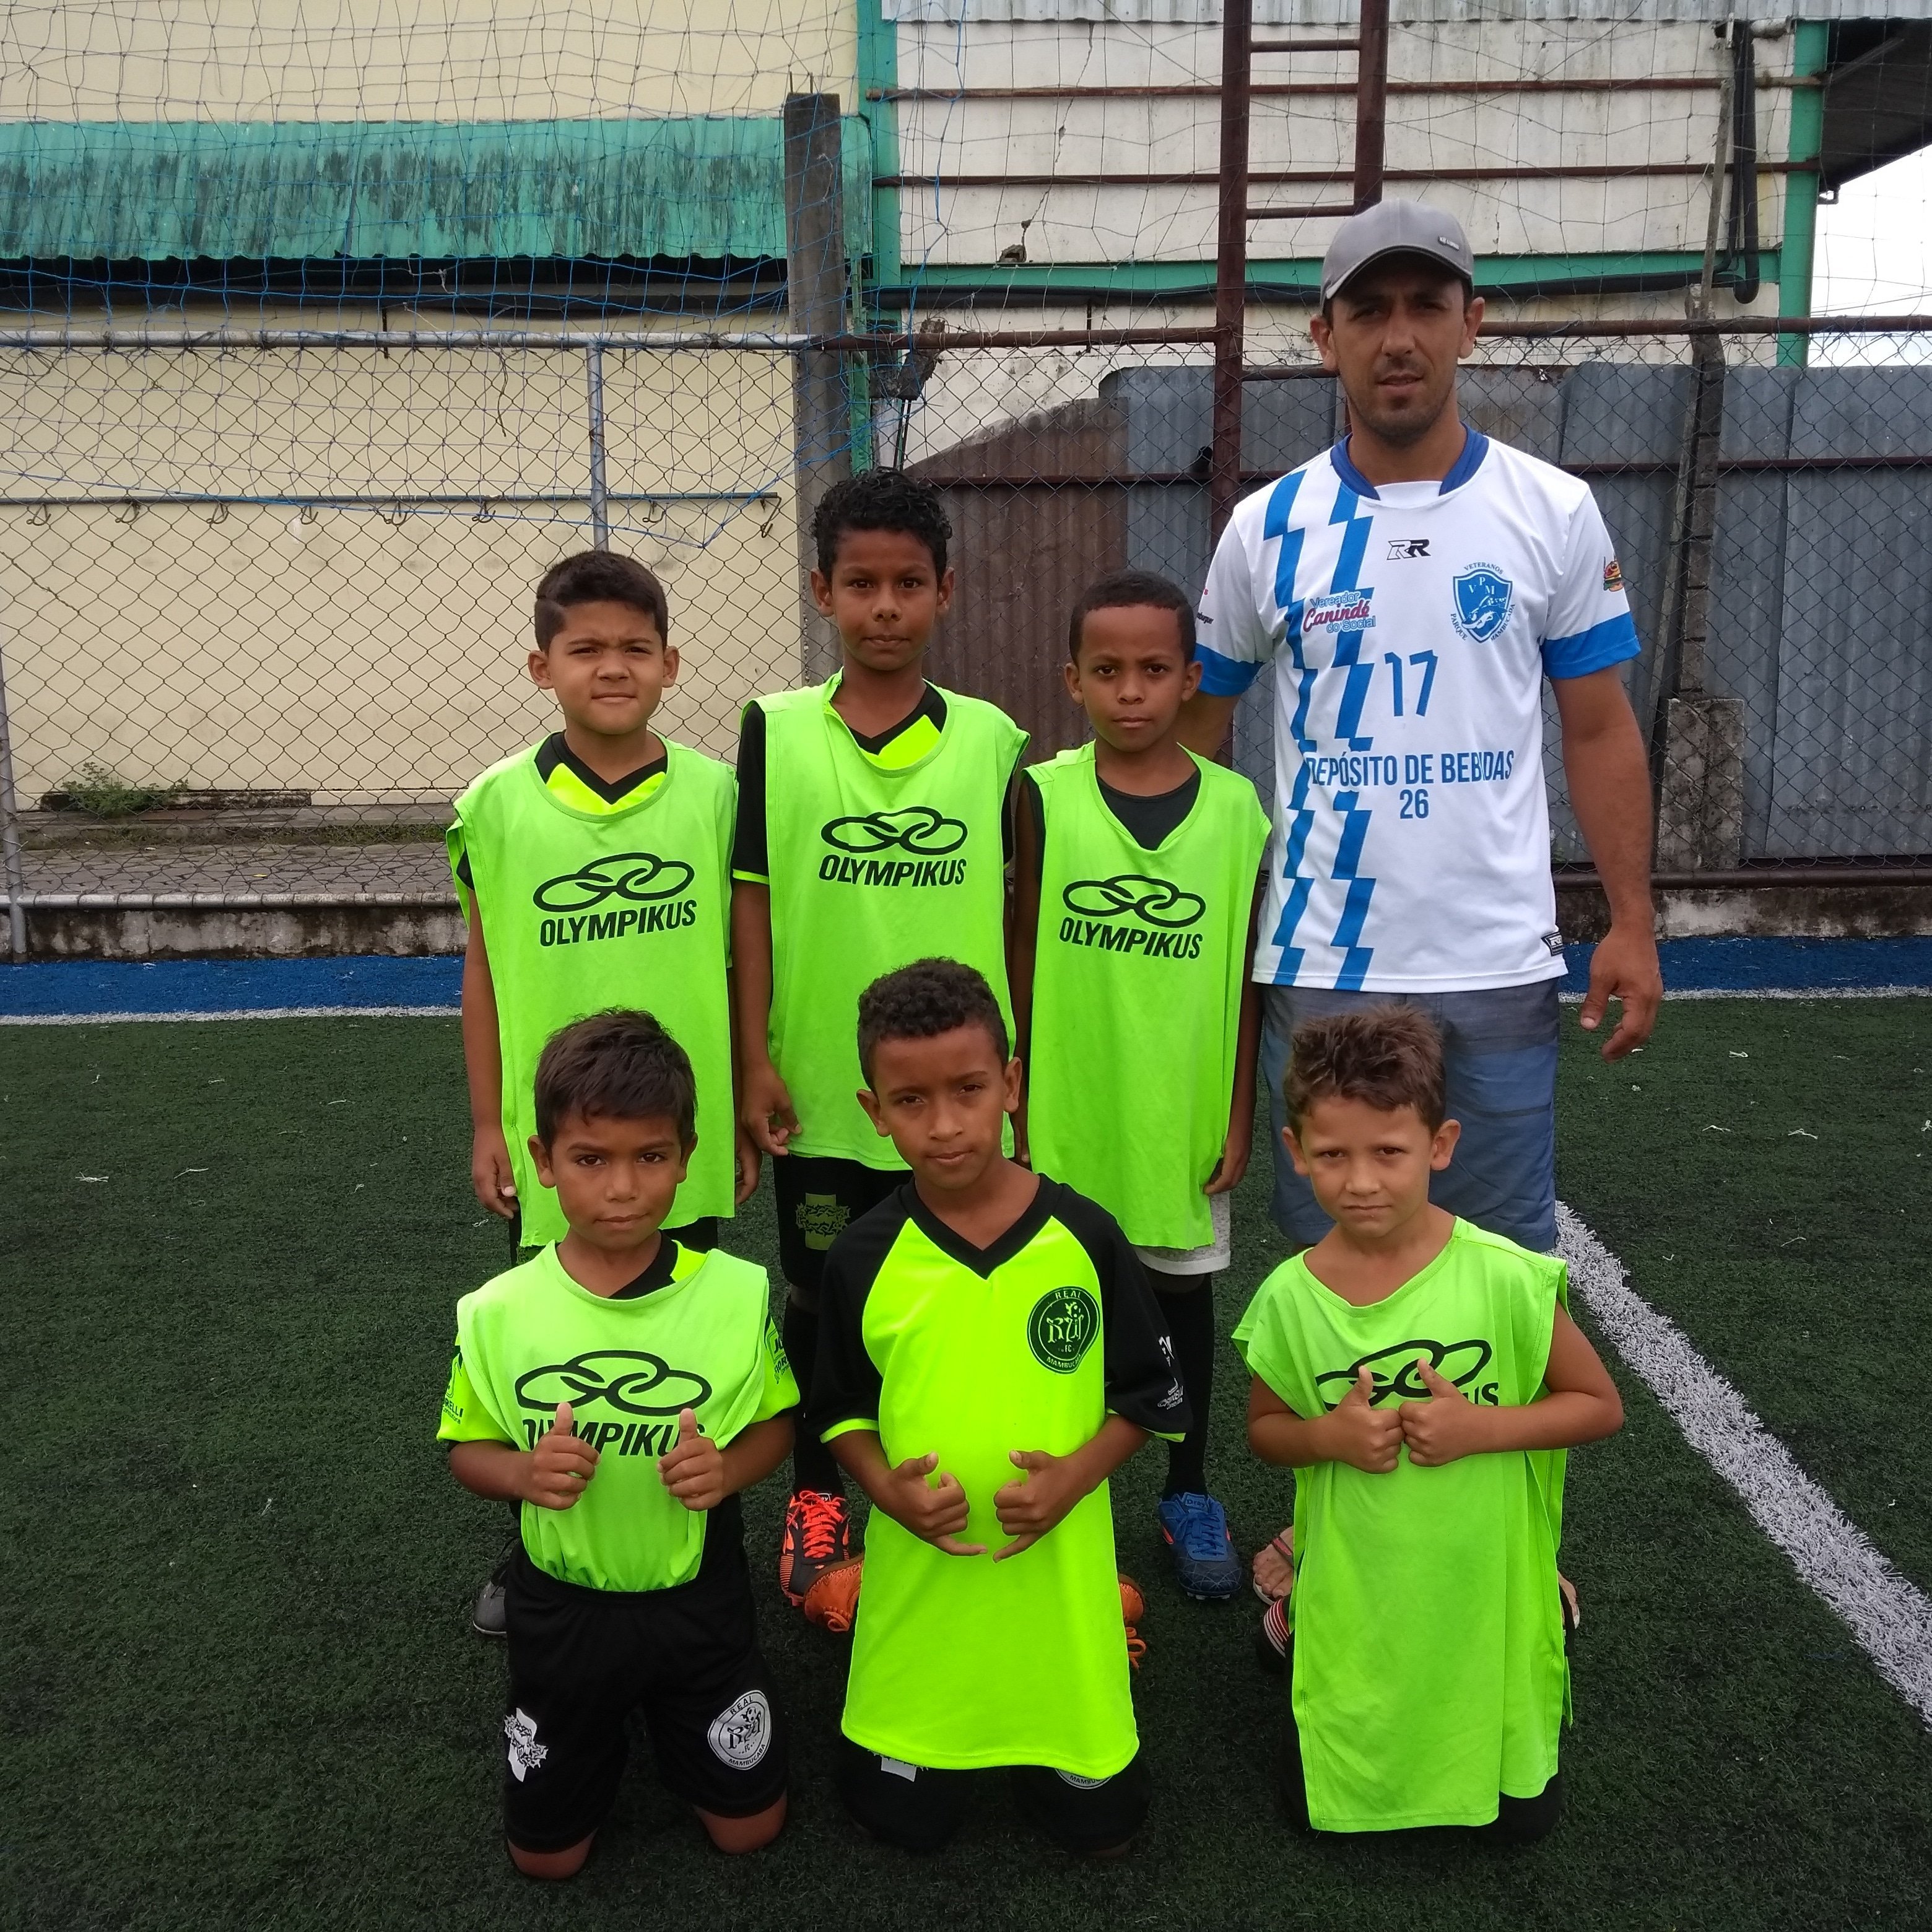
{"x":1230,"y":265}
{"x":10,"y":835}
{"x":1371,"y":101}
{"x":815,"y":291}
{"x":600,"y":495}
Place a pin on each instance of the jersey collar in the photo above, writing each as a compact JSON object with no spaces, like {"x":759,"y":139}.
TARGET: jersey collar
{"x":983,"y":1261}
{"x":1475,"y":447}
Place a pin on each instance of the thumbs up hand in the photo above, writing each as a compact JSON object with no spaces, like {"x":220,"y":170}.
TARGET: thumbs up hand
{"x":1364,"y":1437}
{"x":693,"y":1468}
{"x":560,"y":1465}
{"x":1036,"y":1500}
{"x":1447,"y":1427}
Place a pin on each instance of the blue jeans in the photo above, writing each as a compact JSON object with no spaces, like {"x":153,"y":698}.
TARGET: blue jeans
{"x":1499,"y":1054}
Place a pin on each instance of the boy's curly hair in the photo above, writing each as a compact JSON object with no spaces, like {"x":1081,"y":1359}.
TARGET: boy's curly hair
{"x":881,"y":499}
{"x":923,"y":1000}
{"x":1386,"y":1056}
{"x":617,"y":1065}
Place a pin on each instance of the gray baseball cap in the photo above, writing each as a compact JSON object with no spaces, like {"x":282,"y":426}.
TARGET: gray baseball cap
{"x":1395,"y":228}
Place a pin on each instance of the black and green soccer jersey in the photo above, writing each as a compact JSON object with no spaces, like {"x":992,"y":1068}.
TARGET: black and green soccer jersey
{"x":872,"y":865}
{"x":700,"y":1338}
{"x":942,"y":1348}
{"x":588,"y":903}
{"x":1430,"y":1676}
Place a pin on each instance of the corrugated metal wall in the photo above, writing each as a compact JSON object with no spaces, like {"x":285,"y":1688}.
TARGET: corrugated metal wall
{"x":1821,"y":607}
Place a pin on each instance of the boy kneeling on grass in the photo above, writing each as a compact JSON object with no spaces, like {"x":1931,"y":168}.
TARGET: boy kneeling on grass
{"x":990,"y":1353}
{"x":623,"y":1388}
{"x":1424,"y":1380}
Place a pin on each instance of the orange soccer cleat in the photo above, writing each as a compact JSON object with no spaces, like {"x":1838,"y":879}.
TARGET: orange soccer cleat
{"x":832,"y":1601}
{"x":1133,"y":1607}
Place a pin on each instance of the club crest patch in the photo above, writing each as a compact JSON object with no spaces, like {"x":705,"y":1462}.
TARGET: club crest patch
{"x":1061,"y":1328}
{"x":741,"y":1733}
{"x":1483,"y":599}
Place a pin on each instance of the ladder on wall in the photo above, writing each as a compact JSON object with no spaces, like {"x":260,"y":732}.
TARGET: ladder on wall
{"x":1369,"y":45}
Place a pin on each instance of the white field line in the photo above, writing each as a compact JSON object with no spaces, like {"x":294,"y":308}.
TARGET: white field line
{"x":240,"y":1013}
{"x":1780,"y":993}
{"x":1889,"y":1617}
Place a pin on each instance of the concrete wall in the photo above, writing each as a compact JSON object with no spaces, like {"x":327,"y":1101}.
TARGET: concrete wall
{"x":373,"y":652}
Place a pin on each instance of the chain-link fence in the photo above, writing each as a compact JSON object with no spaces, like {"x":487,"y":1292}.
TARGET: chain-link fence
{"x":267,"y":599}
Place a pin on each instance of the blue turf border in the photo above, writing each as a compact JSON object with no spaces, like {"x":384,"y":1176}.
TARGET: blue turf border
{"x":54,"y":988}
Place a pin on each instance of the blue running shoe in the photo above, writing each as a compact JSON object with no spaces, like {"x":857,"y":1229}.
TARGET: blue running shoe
{"x":1196,"y":1529}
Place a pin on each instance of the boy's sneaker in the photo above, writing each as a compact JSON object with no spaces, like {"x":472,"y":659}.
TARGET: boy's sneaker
{"x":1271,"y":1637}
{"x":490,"y":1617}
{"x":1196,"y":1529}
{"x":818,"y":1535}
{"x":832,"y":1602}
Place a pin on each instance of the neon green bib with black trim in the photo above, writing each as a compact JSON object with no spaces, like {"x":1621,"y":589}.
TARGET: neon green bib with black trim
{"x":871,"y":869}
{"x":1430,"y":1676}
{"x":532,"y":1338}
{"x":625,"y":906}
{"x":1138,"y":976}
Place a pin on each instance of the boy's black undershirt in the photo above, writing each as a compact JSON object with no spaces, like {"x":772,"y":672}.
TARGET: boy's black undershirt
{"x":750,"y":851}
{"x":1149,"y":821}
{"x":658,"y":1275}
{"x":554,"y":752}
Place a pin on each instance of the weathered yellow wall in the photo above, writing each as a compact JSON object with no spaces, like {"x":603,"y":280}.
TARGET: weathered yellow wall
{"x":417,"y":60}
{"x":377,"y":650}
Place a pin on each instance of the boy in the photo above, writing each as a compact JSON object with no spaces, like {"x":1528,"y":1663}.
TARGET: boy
{"x":991,"y":1353}
{"x":1137,"y":864}
{"x":592,"y":869}
{"x":622,"y":1388}
{"x":872,"y":833}
{"x":1423,"y":1379}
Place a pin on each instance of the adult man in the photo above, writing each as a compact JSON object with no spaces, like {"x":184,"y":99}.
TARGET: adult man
{"x":1415,"y":583}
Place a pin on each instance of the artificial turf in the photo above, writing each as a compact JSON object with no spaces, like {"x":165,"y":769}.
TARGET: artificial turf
{"x":236,"y":1677}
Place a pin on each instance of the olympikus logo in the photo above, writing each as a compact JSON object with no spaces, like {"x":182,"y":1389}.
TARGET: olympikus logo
{"x":917,"y":829}
{"x":639,"y":877}
{"x":639,"y":919}
{"x":1345,"y":610}
{"x":1163,"y":905}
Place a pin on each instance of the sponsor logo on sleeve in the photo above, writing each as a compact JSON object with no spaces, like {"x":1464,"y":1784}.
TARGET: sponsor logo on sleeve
{"x":1061,"y":1328}
{"x":907,"y":847}
{"x":1482,"y":600}
{"x":1613,"y":575}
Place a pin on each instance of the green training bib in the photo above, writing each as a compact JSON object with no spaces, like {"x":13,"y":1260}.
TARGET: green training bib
{"x":583,"y":910}
{"x":532,"y":1338}
{"x":1138,"y":976}
{"x":870,"y":870}
{"x":1429,"y":1676}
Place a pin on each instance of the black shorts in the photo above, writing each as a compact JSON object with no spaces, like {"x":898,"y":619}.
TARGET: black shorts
{"x":819,"y":1195}
{"x":918,"y":1809}
{"x":685,"y":1659}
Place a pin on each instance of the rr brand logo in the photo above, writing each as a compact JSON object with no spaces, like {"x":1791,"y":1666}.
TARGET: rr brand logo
{"x":918,"y":830}
{"x":1392,"y":1371}
{"x":638,"y":876}
{"x":1155,"y":900}
{"x":630,"y":1381}
{"x":1061,"y":1328}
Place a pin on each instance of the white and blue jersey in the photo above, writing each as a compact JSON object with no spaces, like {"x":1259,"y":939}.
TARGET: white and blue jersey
{"x":1410,"y":626}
